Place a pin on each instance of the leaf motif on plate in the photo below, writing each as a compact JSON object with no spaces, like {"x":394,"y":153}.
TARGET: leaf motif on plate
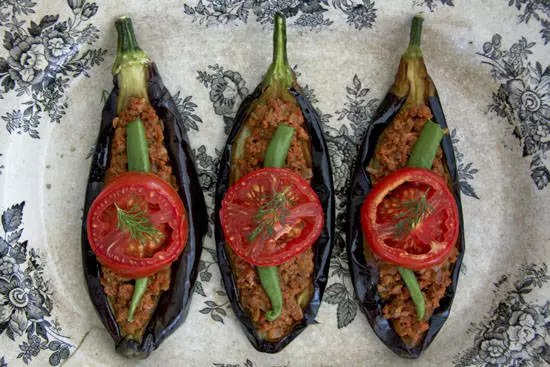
{"x":522,"y":97}
{"x":44,"y":58}
{"x":23,"y":286}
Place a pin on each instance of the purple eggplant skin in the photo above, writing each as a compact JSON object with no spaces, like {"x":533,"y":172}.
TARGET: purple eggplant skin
{"x":365,"y":275}
{"x":174,"y":304}
{"x":321,"y":183}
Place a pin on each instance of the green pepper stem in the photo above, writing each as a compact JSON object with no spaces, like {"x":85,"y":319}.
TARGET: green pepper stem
{"x":275,"y":156}
{"x":279,"y":70}
{"x":414,"y":51}
{"x":139,"y":291}
{"x":130,"y":65}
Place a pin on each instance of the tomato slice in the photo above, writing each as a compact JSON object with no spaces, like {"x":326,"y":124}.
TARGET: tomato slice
{"x":271,"y":215}
{"x":410,"y":218}
{"x":155,"y":200}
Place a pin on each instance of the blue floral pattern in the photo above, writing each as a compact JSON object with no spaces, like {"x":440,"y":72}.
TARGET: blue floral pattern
{"x":42,"y":60}
{"x":227,"y":89}
{"x":535,"y":9}
{"x":523,"y":98}
{"x":247,"y":363}
{"x":305,"y":14}
{"x":466,"y":171}
{"x":186,"y":108}
{"x":25,"y":297}
{"x":517,"y":332}
{"x":432,"y":4}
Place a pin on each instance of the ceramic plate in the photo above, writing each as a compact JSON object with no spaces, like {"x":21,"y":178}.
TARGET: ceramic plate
{"x":489,"y":62}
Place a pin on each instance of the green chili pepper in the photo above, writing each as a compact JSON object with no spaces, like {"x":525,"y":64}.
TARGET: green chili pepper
{"x":425,"y":149}
{"x":275,"y":156}
{"x":139,"y":291}
{"x":136,"y":147}
{"x":130,"y":67}
{"x":138,"y":160}
{"x":277,"y":150}
{"x":414,"y":289}
{"x":422,"y":156}
{"x":269,"y":277}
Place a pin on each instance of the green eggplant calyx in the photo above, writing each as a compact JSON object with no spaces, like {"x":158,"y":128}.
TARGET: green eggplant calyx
{"x":414,"y":51}
{"x":130,"y":66}
{"x":128,"y":51}
{"x":279,"y":70}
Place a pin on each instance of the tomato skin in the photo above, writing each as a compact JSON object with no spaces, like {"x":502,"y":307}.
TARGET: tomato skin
{"x":238,"y":210}
{"x":445,"y":218}
{"x":171,"y":214}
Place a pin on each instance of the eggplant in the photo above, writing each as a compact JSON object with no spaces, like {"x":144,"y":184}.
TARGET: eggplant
{"x":281,"y":80}
{"x":143,"y":80}
{"x":412,"y":86}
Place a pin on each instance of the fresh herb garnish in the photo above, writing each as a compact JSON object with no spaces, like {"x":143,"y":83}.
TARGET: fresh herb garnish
{"x":137,"y":224}
{"x":411,"y":213}
{"x":275,"y":209}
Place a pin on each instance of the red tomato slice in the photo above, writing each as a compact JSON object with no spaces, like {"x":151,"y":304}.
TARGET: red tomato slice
{"x":412,"y":241}
{"x":158,"y":202}
{"x":271,"y":215}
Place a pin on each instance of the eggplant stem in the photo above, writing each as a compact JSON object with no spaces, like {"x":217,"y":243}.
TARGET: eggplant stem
{"x":414,"y":51}
{"x":128,"y":51}
{"x":130,"y":66}
{"x":279,"y":70}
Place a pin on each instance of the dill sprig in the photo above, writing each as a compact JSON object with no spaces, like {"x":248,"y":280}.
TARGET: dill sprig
{"x":137,"y":224}
{"x":414,"y":212}
{"x":275,"y":209}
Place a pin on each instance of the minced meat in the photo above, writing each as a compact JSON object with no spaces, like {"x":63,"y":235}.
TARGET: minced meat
{"x":392,"y":153}
{"x":296,"y":274}
{"x":263,"y":122}
{"x":120,"y":289}
{"x":154,"y":132}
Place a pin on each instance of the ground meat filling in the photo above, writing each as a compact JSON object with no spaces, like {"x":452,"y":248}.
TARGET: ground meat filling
{"x":397,"y":142}
{"x":296,"y":274}
{"x":392,"y":153}
{"x":262,"y":123}
{"x":120,"y":289}
{"x":158,"y":155}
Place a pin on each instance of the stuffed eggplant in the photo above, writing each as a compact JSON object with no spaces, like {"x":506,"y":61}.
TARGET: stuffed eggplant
{"x":274,"y":197}
{"x":405,"y":236}
{"x":144,"y":213}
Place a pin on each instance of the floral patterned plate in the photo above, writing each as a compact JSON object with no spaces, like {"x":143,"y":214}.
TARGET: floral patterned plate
{"x":489,"y":61}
